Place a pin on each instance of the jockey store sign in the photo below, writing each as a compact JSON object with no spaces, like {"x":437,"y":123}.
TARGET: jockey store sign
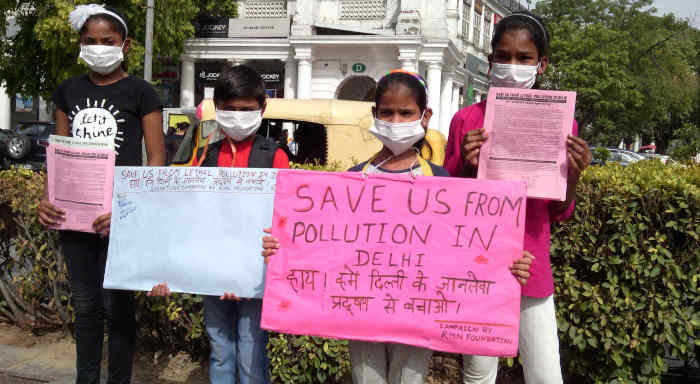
{"x":208,"y":27}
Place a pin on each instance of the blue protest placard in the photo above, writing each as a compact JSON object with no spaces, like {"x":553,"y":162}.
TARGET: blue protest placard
{"x":196,"y":229}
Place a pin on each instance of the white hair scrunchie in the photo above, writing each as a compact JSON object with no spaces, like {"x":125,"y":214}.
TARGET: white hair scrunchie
{"x":81,"y":13}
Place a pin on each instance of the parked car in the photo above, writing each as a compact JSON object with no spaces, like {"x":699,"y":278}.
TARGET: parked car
{"x":324,"y":131}
{"x":616,"y":155}
{"x":25,"y":146}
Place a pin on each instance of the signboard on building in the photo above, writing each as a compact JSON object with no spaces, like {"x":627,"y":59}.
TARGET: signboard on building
{"x":249,"y":27}
{"x":208,"y":27}
{"x":208,"y":75}
{"x":359,"y":67}
{"x":270,"y":77}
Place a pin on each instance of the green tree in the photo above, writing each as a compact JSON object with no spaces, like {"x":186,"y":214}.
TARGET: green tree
{"x":45,"y":49}
{"x":592,"y":61}
{"x":635,"y":73}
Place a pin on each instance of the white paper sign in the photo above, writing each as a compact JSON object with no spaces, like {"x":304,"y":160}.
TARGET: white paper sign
{"x":197,"y":229}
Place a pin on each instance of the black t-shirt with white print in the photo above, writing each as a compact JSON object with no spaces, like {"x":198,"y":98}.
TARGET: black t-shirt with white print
{"x":111,"y":112}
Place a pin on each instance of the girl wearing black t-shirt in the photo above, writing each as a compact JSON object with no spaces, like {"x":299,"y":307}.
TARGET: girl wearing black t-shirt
{"x":105,"y":104}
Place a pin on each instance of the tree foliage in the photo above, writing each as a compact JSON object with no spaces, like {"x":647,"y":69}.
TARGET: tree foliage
{"x":635,"y":73}
{"x":44,"y":51}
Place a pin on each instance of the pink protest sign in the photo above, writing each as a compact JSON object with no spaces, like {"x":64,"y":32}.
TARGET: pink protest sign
{"x":392,"y":259}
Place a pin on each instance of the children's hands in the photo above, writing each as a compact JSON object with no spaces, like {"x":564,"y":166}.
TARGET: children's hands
{"x":471,"y":144}
{"x":102,"y":223}
{"x":521,"y":267}
{"x":49,"y":214}
{"x":229,"y":296}
{"x":159,"y":290}
{"x":270,"y":245}
{"x":578,"y":155}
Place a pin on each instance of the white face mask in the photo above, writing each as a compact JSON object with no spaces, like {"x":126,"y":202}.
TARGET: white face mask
{"x":513,"y":75}
{"x":103,"y":59}
{"x":239,"y":125}
{"x":398,"y":137}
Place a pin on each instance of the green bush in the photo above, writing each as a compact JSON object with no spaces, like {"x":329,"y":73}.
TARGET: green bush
{"x":306,"y":359}
{"x":601,"y":154}
{"x":625,"y":269}
{"x":626,"y":272}
{"x":34,"y":290}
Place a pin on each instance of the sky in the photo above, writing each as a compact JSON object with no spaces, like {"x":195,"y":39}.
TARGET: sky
{"x":681,"y":8}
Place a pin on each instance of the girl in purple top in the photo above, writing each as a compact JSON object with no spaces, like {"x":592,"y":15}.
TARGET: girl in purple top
{"x":520,"y":44}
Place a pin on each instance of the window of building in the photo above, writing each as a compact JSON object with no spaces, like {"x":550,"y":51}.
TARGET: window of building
{"x":488,"y":15}
{"x":466,"y":17}
{"x":362,"y":9}
{"x":478,"y":9}
{"x":265,"y":8}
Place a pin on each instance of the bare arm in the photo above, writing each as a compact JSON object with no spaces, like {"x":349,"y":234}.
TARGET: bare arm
{"x":152,"y":124}
{"x":49,"y":214}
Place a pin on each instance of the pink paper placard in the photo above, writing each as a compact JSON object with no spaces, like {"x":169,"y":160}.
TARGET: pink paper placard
{"x":527,"y":131}
{"x":389,"y":258}
{"x":80,"y":181}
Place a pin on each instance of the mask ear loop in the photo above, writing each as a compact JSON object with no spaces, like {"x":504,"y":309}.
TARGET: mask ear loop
{"x":364,"y":171}
{"x":413,"y":175}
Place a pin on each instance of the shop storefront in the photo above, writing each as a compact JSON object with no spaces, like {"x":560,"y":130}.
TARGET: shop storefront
{"x":207,"y":73}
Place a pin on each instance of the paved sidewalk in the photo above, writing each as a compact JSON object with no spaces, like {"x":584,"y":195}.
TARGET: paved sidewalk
{"x":50,"y":359}
{"x":37,"y":364}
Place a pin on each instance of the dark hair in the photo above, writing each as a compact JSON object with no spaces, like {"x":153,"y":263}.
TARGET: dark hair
{"x":524,"y":20}
{"x":239,"y":81}
{"x":414,"y":83}
{"x":409,"y":81}
{"x":113,"y":22}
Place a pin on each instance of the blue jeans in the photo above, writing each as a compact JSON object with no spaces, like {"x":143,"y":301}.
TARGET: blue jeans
{"x":238,"y":344}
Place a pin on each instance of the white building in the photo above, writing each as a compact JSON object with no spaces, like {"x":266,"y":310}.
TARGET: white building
{"x":481,"y":17}
{"x":340,"y":48}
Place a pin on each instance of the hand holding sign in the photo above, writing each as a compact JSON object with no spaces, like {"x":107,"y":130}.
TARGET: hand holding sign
{"x":391,"y":259}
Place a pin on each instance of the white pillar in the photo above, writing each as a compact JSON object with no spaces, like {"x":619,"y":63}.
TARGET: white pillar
{"x":408,"y":65}
{"x":446,"y":102}
{"x":290,"y":87}
{"x":187,"y":82}
{"x":5,"y":108}
{"x":434,"y":83}
{"x":234,"y":62}
{"x":455,"y":98}
{"x":408,"y":56}
{"x":304,"y":79}
{"x":290,"y":78}
{"x":304,"y":67}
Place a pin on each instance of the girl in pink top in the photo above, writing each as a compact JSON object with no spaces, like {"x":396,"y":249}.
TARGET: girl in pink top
{"x":520,"y":44}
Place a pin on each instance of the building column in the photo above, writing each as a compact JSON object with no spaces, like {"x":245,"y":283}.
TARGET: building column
{"x":455,"y":98}
{"x":304,"y":67}
{"x":5,"y":108}
{"x":408,"y":65}
{"x":235,"y":61}
{"x":446,"y":102}
{"x":187,"y":81}
{"x":434,"y":83}
{"x":290,"y":88}
{"x":290,"y":78}
{"x":408,"y":56}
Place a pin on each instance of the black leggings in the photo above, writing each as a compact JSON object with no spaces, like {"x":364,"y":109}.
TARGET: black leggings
{"x":86,"y":255}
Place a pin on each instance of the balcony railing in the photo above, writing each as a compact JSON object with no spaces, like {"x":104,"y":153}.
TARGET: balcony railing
{"x":265,"y":8}
{"x":362,"y":9}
